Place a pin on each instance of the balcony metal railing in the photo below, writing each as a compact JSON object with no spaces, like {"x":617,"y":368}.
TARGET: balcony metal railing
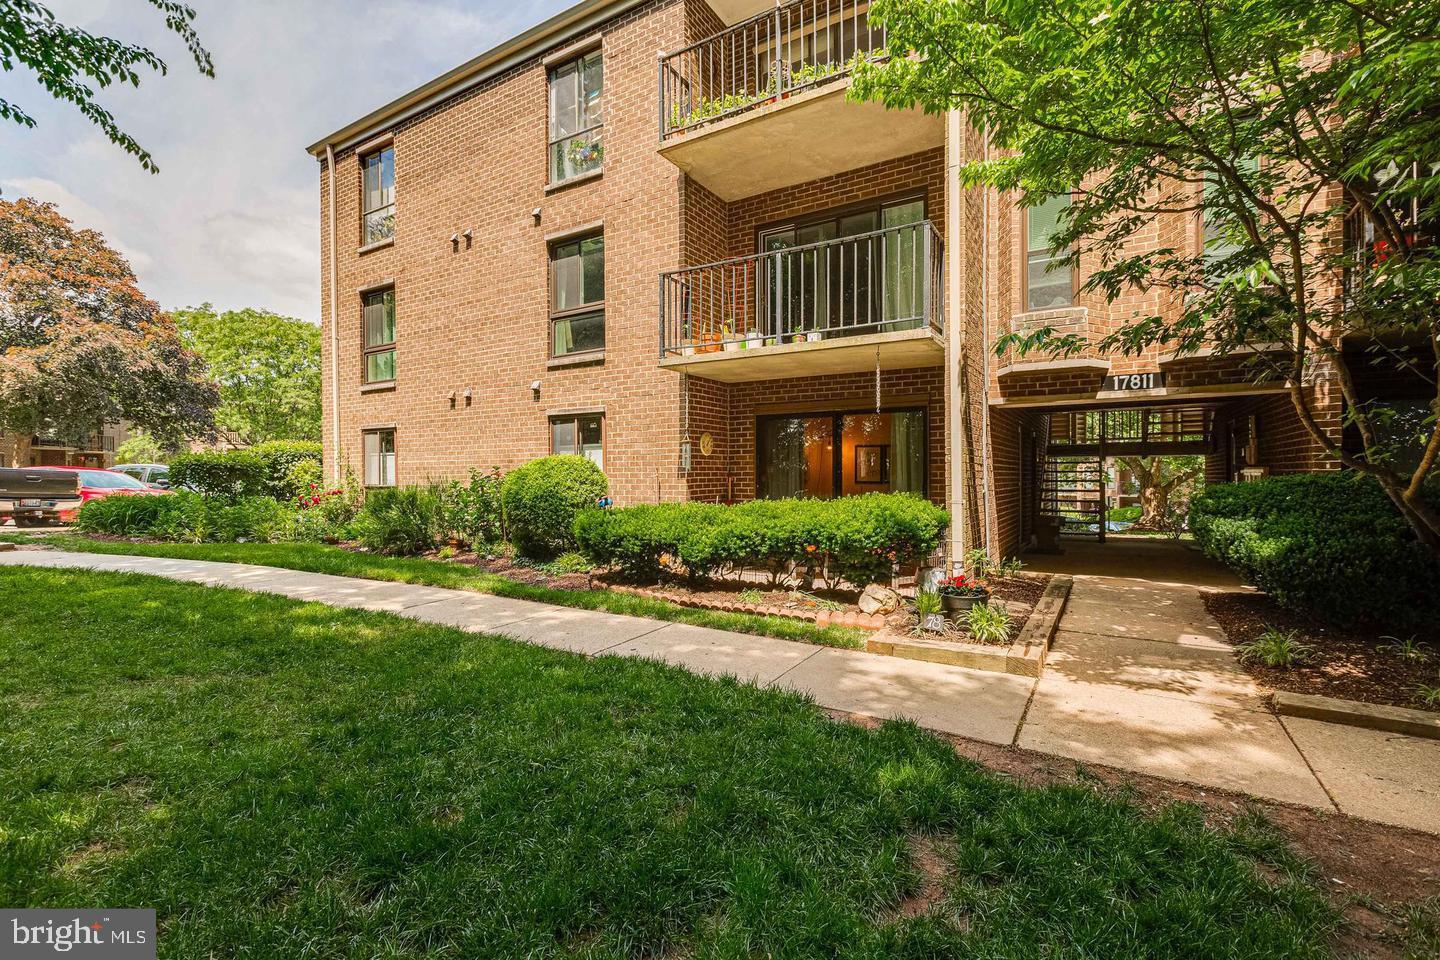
{"x":773,"y":54}
{"x":877,"y":282}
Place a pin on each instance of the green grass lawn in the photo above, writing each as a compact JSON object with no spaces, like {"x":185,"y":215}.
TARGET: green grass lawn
{"x":320,"y":558}
{"x":281,"y":779}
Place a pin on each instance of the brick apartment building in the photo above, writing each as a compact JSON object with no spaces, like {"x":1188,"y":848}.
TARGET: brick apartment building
{"x":656,"y":233}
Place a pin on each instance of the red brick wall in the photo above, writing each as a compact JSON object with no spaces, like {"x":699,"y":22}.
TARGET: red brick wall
{"x":477,"y":318}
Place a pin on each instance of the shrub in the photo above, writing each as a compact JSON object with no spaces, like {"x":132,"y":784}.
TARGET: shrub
{"x":189,"y":517}
{"x":282,"y":469}
{"x":282,"y":459}
{"x":227,"y":473}
{"x":1331,"y":545}
{"x":1123,"y":514}
{"x":401,"y":520}
{"x":541,"y":499}
{"x":858,"y":539}
{"x":472,"y":511}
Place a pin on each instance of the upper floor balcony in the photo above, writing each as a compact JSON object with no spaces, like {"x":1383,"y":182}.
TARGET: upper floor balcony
{"x":762,"y":104}
{"x":1061,"y":322}
{"x":839,"y":305}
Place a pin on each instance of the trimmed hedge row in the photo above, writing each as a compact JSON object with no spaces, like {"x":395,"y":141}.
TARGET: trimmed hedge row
{"x":858,"y":539}
{"x":1332,"y":545}
{"x":271,"y":469}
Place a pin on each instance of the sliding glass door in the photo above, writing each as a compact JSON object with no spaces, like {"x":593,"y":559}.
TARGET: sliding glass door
{"x":814,"y":281}
{"x":840,"y":454}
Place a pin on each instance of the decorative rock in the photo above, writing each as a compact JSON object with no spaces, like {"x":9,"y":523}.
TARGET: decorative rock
{"x":878,"y":599}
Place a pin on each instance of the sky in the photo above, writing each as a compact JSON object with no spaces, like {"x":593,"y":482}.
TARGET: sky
{"x":233,"y":216}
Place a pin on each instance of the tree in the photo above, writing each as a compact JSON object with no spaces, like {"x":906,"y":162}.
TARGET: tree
{"x":62,"y":57}
{"x":140,"y":447}
{"x":268,"y":368}
{"x":80,"y":345}
{"x":1160,"y":478}
{"x":1285,"y":124}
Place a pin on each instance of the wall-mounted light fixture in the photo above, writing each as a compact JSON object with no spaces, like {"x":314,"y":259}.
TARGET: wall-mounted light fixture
{"x":535,"y":388}
{"x":535,"y":214}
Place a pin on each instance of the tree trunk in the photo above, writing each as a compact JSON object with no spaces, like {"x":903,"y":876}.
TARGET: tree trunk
{"x":1154,"y":501}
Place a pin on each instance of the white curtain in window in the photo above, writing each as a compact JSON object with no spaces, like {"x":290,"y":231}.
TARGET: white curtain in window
{"x":907,"y":459}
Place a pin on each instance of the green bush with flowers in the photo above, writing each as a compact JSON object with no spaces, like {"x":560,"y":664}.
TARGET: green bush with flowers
{"x":858,"y":540}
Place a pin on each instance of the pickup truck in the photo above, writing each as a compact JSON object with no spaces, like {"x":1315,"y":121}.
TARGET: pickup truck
{"x":37,"y":496}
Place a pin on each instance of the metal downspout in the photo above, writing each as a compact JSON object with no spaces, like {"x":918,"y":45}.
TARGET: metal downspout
{"x":955,"y":321}
{"x":334,"y":322}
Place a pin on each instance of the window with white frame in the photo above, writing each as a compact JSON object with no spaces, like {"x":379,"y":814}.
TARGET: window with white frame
{"x":379,"y":450}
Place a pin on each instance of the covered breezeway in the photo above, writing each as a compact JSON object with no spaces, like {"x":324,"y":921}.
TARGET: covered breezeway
{"x":1058,"y":476}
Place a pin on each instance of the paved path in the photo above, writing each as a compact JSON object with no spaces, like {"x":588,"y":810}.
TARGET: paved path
{"x":1140,"y":679}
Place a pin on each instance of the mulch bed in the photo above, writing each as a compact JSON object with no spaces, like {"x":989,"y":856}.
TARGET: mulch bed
{"x":1347,"y":664}
{"x":821,"y":607}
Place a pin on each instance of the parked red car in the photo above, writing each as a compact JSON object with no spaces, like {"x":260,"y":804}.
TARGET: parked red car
{"x":32,"y":502}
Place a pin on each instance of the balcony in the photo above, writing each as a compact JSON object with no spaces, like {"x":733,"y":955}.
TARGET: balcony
{"x":1062,"y":321}
{"x":762,"y":104}
{"x":838,"y":306}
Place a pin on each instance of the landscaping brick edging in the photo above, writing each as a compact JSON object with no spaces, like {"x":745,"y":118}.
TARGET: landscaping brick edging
{"x":821,"y":618}
{"x":1024,"y":658}
{"x":1354,"y":713}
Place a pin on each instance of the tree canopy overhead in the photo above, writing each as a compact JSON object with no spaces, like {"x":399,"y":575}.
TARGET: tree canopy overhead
{"x":268,"y":369}
{"x":80,"y":345}
{"x":65,"y":60}
{"x":1286,"y":124}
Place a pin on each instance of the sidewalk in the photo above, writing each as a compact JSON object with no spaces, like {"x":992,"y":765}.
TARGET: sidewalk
{"x":1139,"y":679}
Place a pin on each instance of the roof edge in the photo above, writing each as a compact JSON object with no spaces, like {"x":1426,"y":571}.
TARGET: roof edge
{"x":559,"y":29}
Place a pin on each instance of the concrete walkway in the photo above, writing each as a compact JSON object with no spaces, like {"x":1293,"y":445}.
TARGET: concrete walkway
{"x":1140,"y":678}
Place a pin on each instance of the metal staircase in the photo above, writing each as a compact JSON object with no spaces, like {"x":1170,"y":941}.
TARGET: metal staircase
{"x":1073,"y":489}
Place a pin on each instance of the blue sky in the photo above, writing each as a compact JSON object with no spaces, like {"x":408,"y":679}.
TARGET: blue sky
{"x":233,"y":215}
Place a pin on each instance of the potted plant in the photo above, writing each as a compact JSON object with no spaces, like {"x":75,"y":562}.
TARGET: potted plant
{"x":727,"y":337}
{"x":752,"y":340}
{"x":959,"y":593}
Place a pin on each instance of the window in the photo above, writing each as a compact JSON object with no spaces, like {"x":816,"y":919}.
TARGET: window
{"x":379,"y":448}
{"x":575,"y":119}
{"x":1048,"y":284}
{"x":577,"y":296}
{"x":841,"y":454}
{"x":584,"y":435}
{"x":379,"y":323}
{"x":1218,"y":239}
{"x":379,"y":195}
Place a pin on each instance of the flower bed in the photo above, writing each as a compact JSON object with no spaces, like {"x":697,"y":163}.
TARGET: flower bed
{"x":1347,"y":664}
{"x":822,"y":610}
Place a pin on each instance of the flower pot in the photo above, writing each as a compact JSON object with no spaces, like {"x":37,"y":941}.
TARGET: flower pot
{"x":750,"y":343}
{"x":961,"y":605}
{"x":732,"y":345}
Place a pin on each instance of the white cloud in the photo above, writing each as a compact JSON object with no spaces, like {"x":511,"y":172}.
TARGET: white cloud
{"x":233,"y":215}
{"x":81,"y":213}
